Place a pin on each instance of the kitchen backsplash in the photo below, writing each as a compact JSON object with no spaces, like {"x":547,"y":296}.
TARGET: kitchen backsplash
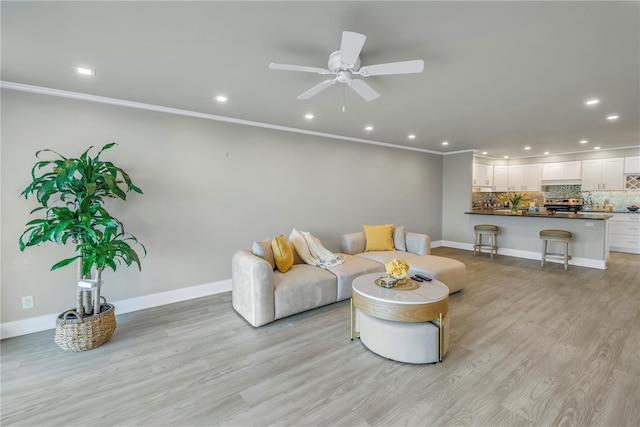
{"x":618,"y":199}
{"x":482,"y":200}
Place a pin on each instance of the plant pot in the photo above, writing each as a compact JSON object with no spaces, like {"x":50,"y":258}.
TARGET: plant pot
{"x":75,"y":333}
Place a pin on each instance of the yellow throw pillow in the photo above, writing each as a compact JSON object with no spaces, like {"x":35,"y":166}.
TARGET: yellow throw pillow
{"x":282,"y":253}
{"x":378,"y":237}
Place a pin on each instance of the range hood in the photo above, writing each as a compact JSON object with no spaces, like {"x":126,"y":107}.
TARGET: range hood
{"x":561,"y":181}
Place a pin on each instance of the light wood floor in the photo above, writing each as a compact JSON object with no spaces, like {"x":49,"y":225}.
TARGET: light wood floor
{"x":529,"y":347}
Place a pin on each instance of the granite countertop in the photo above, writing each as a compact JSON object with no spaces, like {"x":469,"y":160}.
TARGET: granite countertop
{"x":567,"y":215}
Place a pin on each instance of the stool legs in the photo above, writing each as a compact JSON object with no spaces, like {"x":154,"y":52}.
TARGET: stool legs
{"x":477,"y":245}
{"x":494,"y":246}
{"x":544,"y":254}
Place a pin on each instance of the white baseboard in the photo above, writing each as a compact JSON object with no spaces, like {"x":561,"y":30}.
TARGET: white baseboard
{"x":43,"y":323}
{"x":580,"y":262}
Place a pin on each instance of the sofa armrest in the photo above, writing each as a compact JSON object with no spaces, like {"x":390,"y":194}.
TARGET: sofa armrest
{"x":252,"y":288}
{"x":419,"y":244}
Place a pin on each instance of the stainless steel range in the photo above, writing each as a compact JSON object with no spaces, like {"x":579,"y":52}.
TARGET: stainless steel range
{"x":563,"y":204}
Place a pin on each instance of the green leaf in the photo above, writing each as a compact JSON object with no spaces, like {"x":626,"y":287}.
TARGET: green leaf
{"x":64,"y":262}
{"x":91,"y":188}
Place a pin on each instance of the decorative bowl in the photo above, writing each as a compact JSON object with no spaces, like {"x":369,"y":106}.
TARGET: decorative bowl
{"x":633,"y":208}
{"x":387,"y":282}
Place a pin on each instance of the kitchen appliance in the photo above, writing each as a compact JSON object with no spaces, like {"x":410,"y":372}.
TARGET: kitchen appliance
{"x":561,"y":204}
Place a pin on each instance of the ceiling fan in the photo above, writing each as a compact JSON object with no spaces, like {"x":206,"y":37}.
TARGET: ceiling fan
{"x":344,"y":64}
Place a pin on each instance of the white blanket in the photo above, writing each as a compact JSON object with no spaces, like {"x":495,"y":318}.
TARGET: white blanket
{"x":311,"y":250}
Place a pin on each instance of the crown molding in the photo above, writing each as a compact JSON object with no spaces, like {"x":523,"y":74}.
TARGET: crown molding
{"x":176,"y":111}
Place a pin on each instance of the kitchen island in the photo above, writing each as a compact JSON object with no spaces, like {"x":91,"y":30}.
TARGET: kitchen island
{"x":520,"y":233}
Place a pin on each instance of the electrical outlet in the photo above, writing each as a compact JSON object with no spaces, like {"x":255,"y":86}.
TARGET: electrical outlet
{"x":27,"y":302}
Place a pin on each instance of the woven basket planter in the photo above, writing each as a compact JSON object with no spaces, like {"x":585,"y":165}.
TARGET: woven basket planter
{"x":80,"y":334}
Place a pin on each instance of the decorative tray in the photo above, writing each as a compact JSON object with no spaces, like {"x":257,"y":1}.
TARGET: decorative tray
{"x":400,"y":285}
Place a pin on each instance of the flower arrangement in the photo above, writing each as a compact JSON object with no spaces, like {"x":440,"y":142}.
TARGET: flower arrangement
{"x":397,"y":268}
{"x":514,"y":199}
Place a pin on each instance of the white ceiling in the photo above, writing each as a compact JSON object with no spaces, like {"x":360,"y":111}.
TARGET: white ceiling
{"x":498,"y":76}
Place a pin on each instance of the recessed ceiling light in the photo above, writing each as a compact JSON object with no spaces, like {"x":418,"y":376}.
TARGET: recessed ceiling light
{"x":506,"y":157}
{"x":485,"y":152}
{"x":527,"y":148}
{"x":596,"y":148}
{"x":546,"y":153}
{"x":308,"y":116}
{"x":592,"y":101}
{"x":584,"y":141}
{"x":221,"y":98}
{"x":368,"y":128}
{"x":85,"y":71}
{"x":613,"y":117}
{"x":411,"y":136}
{"x":445,"y":142}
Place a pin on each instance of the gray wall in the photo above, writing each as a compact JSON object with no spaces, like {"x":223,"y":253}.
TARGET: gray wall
{"x":210,"y":188}
{"x":456,"y":196}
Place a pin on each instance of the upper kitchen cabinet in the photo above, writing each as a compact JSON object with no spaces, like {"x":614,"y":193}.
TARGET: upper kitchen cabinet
{"x":603,"y":174}
{"x":568,"y":172}
{"x":482,"y":175}
{"x":501,"y":178}
{"x":525,"y":177}
{"x":632,"y":165}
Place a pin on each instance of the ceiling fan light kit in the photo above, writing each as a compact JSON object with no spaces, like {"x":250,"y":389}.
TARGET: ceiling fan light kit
{"x":344,"y":64}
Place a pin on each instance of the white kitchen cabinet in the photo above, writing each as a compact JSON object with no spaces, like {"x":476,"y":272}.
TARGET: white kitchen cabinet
{"x":533,"y":177}
{"x":624,"y":233}
{"x":501,"y":178}
{"x":603,"y":174}
{"x":525,"y":177}
{"x":482,"y":175}
{"x":516,"y":178}
{"x":632,"y":165}
{"x":562,"y":171}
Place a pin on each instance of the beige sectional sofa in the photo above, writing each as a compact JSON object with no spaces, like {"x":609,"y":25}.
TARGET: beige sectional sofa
{"x":262,"y":294}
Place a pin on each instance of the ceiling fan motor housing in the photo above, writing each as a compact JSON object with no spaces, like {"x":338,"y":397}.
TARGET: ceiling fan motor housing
{"x":335,"y":65}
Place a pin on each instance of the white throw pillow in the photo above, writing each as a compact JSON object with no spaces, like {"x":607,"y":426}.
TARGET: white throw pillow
{"x":398,"y":238}
{"x":263,"y":249}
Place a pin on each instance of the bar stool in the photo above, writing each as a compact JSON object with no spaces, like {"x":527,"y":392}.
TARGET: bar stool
{"x":558,"y":236}
{"x":489,"y":229}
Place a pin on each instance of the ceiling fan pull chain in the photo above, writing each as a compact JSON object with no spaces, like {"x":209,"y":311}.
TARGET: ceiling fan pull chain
{"x":344,"y":108}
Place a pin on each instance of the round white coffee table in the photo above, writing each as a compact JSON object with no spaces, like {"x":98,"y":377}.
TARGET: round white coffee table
{"x":408,"y":324}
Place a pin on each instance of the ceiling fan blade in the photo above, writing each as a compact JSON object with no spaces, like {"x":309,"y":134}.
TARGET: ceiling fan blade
{"x":363,"y":89}
{"x":288,"y":67}
{"x":317,"y":88}
{"x":404,"y":67}
{"x":351,"y":47}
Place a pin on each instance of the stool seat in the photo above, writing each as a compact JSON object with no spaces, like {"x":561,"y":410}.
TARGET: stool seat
{"x":560,"y":236}
{"x":556,"y":234}
{"x":489,"y":229}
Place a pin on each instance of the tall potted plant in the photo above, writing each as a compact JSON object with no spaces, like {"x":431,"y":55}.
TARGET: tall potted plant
{"x":71,"y":193}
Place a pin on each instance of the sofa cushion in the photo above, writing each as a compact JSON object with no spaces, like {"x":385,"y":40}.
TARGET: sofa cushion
{"x":378,"y":237}
{"x":282,"y":253}
{"x":302,"y":288}
{"x":352,"y":267}
{"x":353,"y":243}
{"x":449,"y":271}
{"x":398,"y":238}
{"x":263,"y":249}
{"x":386,"y":256}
